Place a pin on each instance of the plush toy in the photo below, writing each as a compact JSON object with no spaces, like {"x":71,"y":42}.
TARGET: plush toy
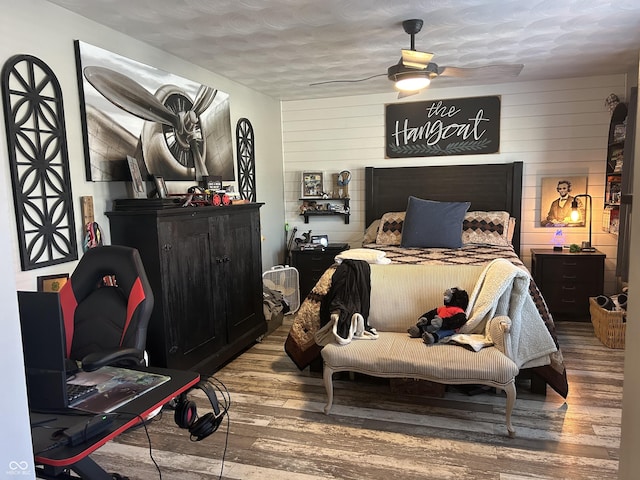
{"x":442,"y":321}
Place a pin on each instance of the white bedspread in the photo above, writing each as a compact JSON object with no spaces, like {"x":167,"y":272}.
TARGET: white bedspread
{"x":503,"y":289}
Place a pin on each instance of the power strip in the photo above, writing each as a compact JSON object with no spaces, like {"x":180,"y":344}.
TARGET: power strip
{"x":83,"y":432}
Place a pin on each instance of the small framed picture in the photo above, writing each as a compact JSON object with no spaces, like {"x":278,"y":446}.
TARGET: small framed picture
{"x":161,"y":187}
{"x":312,"y":184}
{"x":139,"y":187}
{"x":52,"y":283}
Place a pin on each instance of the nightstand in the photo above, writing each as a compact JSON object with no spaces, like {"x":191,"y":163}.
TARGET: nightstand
{"x":312,"y":263}
{"x":567,"y":280}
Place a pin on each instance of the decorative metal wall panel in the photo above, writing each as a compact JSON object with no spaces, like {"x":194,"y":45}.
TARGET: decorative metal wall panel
{"x":246,"y":159}
{"x":39,"y":161}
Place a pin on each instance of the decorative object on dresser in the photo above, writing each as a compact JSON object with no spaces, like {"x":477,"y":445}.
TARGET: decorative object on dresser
{"x":138,"y":185}
{"x":567,"y":280}
{"x":575,"y":216}
{"x":39,"y":163}
{"x":311,"y":264}
{"x":205,"y":266}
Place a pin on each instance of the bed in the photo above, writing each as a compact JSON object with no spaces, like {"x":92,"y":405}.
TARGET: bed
{"x":494,"y":192}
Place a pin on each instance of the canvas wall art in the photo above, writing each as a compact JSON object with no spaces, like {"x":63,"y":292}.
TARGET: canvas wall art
{"x":175,"y":128}
{"x":557,"y":194}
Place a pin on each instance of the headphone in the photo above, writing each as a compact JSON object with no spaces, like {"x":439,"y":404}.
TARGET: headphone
{"x":186,"y":413}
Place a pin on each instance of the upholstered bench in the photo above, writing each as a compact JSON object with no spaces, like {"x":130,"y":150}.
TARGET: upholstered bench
{"x":399,"y":295}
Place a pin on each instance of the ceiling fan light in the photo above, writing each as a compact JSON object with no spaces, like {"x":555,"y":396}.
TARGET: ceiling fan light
{"x":412,"y":83}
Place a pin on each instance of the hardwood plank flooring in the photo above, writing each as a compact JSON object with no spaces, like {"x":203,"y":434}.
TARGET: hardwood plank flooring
{"x":277,"y":430}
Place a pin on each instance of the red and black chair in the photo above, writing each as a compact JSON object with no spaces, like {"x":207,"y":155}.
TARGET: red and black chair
{"x":106,"y":306}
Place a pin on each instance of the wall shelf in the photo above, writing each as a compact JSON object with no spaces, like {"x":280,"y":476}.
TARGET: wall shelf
{"x":322,"y":207}
{"x":615,"y":163}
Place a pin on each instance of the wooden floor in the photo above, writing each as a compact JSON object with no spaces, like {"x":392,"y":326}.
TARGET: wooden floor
{"x":277,"y":430}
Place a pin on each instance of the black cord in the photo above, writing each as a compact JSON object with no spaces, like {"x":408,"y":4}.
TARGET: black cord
{"x":42,"y":422}
{"x":146,"y":431}
{"x":51,"y":447}
{"x":226,"y":444}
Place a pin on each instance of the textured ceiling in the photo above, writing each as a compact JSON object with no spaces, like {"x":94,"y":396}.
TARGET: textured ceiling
{"x":279,"y":47}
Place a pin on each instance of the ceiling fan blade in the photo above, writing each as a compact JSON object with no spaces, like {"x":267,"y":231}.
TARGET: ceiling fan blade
{"x":347,"y":81}
{"x":512,"y":70}
{"x":204,"y":99}
{"x":130,"y":96}
{"x":415,"y":59}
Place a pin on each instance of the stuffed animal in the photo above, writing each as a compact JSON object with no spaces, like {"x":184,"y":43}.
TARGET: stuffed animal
{"x":443,"y":321}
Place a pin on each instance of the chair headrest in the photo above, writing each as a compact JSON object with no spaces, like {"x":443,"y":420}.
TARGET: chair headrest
{"x":122,"y":262}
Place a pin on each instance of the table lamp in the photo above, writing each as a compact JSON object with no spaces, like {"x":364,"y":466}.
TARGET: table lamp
{"x":575,"y":216}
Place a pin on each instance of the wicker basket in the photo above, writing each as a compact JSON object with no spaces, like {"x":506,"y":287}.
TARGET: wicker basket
{"x":609,"y":326}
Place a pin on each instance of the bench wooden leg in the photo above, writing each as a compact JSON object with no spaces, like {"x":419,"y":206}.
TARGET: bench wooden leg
{"x":510,"y":390}
{"x":327,"y":375}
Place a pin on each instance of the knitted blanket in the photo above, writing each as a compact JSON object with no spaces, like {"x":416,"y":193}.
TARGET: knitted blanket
{"x":503,"y":289}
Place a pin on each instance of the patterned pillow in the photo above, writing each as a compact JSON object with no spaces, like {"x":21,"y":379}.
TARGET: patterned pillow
{"x":390,"y":230}
{"x":371,"y":233}
{"x":487,"y":228}
{"x":511,"y":230}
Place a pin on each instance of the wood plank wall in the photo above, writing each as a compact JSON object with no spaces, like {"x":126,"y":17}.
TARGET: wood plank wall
{"x":556,"y":127}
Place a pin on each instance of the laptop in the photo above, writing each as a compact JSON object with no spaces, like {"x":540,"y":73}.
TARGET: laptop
{"x":48,"y":386}
{"x":43,"y":346}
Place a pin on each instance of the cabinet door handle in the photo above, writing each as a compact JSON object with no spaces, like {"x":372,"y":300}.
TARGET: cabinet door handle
{"x":568,"y":288}
{"x":167,"y":246}
{"x":569,"y":277}
{"x":569,"y":264}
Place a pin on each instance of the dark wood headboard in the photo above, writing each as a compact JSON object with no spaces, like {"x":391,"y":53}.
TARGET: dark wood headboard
{"x":487,"y":187}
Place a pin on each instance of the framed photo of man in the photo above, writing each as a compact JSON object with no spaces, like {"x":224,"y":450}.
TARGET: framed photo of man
{"x":557,"y":195}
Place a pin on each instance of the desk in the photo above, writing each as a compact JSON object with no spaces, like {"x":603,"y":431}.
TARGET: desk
{"x":53,"y":463}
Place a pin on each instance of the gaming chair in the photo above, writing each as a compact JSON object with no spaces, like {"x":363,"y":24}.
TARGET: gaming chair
{"x":106,"y":306}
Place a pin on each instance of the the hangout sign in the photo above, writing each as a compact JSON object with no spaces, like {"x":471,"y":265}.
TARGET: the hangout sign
{"x":461,"y":126}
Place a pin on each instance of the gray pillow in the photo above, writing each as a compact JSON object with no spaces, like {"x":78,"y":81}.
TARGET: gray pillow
{"x":430,"y":224}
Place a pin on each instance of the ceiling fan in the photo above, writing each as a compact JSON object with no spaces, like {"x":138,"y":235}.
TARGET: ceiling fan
{"x":415,"y":70}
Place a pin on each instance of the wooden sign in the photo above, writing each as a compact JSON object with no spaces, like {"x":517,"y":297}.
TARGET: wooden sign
{"x":461,"y":126}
